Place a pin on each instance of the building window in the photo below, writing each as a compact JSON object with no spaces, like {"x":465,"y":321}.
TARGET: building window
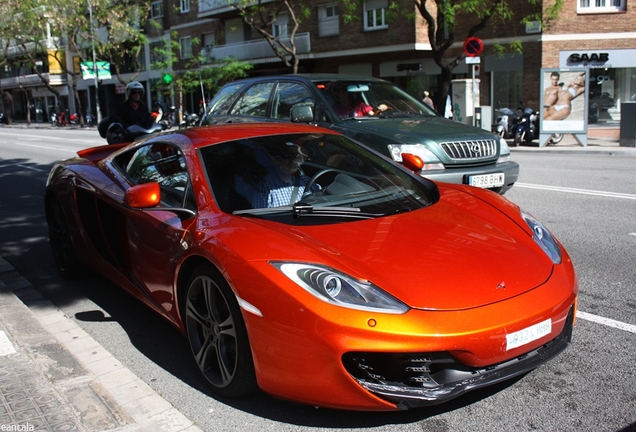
{"x":279,"y":28}
{"x":185,"y":45}
{"x":185,"y":6}
{"x":374,"y":14}
{"x":600,"y":6}
{"x":157,"y":55}
{"x":328,"y":24}
{"x":156,"y":9}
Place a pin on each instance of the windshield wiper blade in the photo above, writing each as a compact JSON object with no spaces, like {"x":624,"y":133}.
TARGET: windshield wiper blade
{"x":302,"y":209}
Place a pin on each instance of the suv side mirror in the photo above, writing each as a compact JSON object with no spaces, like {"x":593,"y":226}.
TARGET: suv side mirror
{"x":302,"y":113}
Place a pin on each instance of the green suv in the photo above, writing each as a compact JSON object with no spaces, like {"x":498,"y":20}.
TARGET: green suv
{"x":377,"y":113}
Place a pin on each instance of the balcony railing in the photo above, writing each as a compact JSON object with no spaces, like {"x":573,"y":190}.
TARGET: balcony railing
{"x":32,"y":80}
{"x":257,"y":49}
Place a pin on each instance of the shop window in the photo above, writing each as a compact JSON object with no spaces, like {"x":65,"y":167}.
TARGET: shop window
{"x":375,"y":14}
{"x":600,"y":6}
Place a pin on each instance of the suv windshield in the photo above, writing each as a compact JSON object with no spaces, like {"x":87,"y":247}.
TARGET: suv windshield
{"x":310,"y":176}
{"x":349,"y":99}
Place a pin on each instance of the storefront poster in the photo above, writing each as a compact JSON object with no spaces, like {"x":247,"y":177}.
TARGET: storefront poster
{"x":564,"y":96}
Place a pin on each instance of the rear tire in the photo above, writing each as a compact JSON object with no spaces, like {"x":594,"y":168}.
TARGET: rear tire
{"x":62,"y":246}
{"x":217,"y":334}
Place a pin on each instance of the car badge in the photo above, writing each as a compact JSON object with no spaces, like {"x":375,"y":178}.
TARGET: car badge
{"x":502,"y":285}
{"x":476,"y":149}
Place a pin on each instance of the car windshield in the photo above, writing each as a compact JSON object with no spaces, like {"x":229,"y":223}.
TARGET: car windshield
{"x":314,"y":177}
{"x":369,"y":99}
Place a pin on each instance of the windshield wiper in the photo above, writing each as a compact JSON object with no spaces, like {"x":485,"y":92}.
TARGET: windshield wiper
{"x":302,"y":209}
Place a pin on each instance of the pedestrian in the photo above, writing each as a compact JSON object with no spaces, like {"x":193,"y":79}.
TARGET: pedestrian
{"x":427,"y":99}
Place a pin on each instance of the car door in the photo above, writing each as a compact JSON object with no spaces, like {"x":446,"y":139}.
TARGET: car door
{"x":156,"y":239}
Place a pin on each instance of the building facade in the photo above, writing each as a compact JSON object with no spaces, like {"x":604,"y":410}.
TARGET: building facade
{"x":594,"y":34}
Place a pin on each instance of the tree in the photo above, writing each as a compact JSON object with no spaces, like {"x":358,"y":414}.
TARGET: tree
{"x":195,"y":73}
{"x":443,"y":18}
{"x":262,"y":17}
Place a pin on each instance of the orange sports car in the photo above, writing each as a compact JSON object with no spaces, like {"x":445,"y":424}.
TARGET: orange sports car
{"x":303,"y":263}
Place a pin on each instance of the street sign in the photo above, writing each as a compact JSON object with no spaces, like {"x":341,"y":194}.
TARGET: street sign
{"x":473,"y":47}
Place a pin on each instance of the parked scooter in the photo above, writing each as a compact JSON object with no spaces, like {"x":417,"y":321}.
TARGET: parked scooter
{"x":169,"y":119}
{"x":4,"y":119}
{"x":528,"y":129}
{"x":189,"y":119}
{"x":64,"y":119}
{"x":115,"y":132}
{"x":506,"y":123}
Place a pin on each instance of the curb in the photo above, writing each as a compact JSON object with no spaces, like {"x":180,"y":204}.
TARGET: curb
{"x":94,"y":386}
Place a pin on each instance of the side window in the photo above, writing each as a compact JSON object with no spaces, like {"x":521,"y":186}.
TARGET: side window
{"x":164,"y":164}
{"x":287,"y":95}
{"x":223,"y":99}
{"x":254,"y":101}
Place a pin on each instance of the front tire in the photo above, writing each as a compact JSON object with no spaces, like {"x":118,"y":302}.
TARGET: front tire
{"x":556,"y":138}
{"x":217,"y":334}
{"x":518,"y":138}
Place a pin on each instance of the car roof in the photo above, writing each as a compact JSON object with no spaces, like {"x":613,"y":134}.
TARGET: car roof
{"x":312,"y":78}
{"x":208,"y":135}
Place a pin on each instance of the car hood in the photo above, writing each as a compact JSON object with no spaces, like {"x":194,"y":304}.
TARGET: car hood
{"x":457,"y":254}
{"x":412,"y":130}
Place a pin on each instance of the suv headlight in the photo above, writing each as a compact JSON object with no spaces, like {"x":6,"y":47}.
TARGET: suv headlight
{"x":431,"y":162}
{"x":340,"y":289}
{"x":504,"y":151}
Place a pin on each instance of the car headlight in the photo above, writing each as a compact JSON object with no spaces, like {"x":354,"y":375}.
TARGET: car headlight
{"x":543,"y":238}
{"x":504,"y":151}
{"x":431,"y":162}
{"x":339,"y":289}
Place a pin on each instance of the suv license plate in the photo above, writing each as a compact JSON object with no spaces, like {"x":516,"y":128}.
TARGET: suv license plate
{"x":487,"y":180}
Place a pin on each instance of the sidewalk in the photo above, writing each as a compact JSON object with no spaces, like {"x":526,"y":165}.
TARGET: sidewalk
{"x":55,"y":377}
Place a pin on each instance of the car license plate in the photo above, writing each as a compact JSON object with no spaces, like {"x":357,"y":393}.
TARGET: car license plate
{"x":487,"y":180}
{"x":529,"y":334}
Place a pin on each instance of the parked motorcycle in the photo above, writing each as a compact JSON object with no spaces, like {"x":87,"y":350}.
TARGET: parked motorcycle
{"x":4,"y":119}
{"x":528,"y":129}
{"x":115,"y":132}
{"x":189,"y":119}
{"x":506,"y":123}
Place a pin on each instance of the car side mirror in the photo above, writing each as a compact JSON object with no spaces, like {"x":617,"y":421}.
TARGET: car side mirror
{"x":143,"y":196}
{"x":412,"y":162}
{"x":302,"y":113}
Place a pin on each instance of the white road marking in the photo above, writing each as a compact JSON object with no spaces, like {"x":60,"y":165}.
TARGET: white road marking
{"x":6,"y":347}
{"x":28,"y":167}
{"x":577,"y":191}
{"x":606,"y":321}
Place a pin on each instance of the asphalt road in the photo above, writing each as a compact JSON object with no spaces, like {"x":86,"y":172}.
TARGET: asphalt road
{"x":588,"y":201}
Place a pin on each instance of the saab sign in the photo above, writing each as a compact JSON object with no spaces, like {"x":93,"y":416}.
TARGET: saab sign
{"x":584,"y":58}
{"x":622,"y":58}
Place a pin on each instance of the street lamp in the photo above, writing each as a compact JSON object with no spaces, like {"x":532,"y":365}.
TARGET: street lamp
{"x":90,"y":17}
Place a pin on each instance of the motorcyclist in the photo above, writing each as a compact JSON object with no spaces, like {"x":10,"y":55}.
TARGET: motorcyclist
{"x":133,"y":111}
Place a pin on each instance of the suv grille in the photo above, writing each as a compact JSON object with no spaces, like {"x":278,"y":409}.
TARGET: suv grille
{"x":470,"y":150}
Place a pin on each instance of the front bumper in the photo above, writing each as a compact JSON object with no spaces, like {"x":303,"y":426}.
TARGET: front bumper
{"x":412,"y":380}
{"x":460,"y":175}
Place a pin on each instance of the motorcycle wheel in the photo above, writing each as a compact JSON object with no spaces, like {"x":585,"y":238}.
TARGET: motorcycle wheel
{"x":556,"y":138}
{"x":518,"y":138}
